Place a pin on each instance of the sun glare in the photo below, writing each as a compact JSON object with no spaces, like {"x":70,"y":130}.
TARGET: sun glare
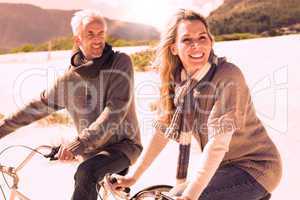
{"x":153,"y":12}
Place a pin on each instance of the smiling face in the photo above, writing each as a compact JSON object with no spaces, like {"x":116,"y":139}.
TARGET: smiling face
{"x":192,"y":45}
{"x":92,"y":39}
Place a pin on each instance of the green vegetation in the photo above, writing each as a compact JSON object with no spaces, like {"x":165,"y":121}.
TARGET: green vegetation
{"x":63,"y":43}
{"x":24,"y":48}
{"x":62,"y":118}
{"x":236,"y":36}
{"x":55,"y":118}
{"x":122,"y":42}
{"x":3,"y":51}
{"x":142,"y":60}
{"x":255,"y":16}
{"x":66,"y":43}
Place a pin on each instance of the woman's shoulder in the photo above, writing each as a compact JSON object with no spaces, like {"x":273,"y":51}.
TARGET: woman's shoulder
{"x":228,"y":67}
{"x":228,"y":70}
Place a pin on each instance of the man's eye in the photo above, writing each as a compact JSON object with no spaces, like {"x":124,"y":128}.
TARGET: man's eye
{"x":186,"y":40}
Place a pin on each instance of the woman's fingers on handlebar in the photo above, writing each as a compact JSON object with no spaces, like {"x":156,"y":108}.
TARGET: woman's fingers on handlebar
{"x":180,"y":198}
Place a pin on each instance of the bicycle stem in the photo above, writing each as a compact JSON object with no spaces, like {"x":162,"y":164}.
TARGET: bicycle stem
{"x":12,"y":173}
{"x":29,"y":157}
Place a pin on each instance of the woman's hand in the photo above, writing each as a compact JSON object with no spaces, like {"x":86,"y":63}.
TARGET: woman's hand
{"x":123,"y":181}
{"x":182,"y":198}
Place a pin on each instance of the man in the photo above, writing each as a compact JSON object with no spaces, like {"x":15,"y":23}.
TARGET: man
{"x":97,"y":91}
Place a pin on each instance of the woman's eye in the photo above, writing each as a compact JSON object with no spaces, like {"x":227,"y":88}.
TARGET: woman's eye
{"x":202,"y":38}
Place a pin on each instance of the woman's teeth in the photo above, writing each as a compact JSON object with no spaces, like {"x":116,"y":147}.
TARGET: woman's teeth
{"x":198,"y":55}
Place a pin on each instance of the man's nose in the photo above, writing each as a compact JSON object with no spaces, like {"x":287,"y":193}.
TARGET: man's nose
{"x":97,"y":39}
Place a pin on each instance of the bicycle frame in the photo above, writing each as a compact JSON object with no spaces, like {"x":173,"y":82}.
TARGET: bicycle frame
{"x":106,"y":185}
{"x":13,"y":172}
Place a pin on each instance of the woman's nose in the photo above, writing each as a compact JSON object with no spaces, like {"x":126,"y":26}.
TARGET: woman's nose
{"x":195,"y":44}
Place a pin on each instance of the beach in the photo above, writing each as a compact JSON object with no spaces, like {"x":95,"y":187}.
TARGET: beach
{"x":271,"y":68}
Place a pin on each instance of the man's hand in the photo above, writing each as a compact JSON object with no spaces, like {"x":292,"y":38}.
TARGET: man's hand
{"x":65,"y":155}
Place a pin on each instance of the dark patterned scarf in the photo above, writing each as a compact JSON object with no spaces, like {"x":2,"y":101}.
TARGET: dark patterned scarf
{"x":91,"y":68}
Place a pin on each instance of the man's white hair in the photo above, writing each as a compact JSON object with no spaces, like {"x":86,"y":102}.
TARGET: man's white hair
{"x":83,"y":17}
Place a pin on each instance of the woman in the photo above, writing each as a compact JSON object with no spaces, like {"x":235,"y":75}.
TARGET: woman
{"x":206,"y":97}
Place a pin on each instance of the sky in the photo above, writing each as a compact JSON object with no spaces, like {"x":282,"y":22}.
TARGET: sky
{"x":152,"y":12}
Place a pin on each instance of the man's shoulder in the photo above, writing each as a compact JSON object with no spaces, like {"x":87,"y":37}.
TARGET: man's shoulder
{"x":68,"y":76}
{"x":122,"y":61}
{"x":121,"y":57}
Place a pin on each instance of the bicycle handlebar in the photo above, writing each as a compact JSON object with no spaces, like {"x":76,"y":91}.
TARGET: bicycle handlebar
{"x":54,"y":151}
{"x":51,"y":156}
{"x":12,"y":171}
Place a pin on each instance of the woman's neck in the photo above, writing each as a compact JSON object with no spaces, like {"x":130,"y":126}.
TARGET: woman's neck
{"x":196,"y":73}
{"x":190,"y":72}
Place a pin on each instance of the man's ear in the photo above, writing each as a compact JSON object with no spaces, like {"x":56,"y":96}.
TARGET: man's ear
{"x":173,"y":49}
{"x":76,"y":40}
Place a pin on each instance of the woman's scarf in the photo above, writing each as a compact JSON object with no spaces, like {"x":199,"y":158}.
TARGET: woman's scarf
{"x":181,"y":126}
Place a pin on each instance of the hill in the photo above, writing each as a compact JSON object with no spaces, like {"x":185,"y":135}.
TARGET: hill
{"x":27,"y":24}
{"x":269,"y":17}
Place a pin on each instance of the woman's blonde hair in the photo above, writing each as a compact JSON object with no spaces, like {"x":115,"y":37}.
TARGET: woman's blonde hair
{"x":168,"y":62}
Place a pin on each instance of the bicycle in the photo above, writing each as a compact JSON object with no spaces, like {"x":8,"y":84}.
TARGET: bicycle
{"x":156,"y":192}
{"x":104,"y":187}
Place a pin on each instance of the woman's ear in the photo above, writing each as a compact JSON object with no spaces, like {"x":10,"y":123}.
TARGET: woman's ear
{"x":212,"y":44}
{"x":173,"y":49}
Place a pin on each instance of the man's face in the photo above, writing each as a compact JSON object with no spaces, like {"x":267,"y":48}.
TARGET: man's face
{"x":92,"y":39}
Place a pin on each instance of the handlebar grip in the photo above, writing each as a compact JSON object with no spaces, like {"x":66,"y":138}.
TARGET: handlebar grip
{"x":53,"y":153}
{"x":126,"y":190}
